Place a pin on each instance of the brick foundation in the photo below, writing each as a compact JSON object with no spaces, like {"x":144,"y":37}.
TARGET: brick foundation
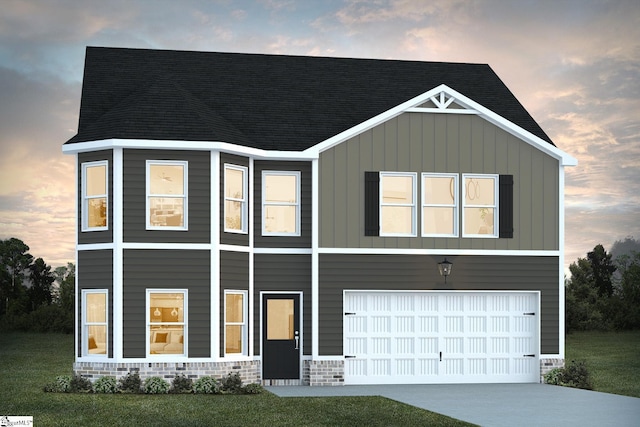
{"x":249,"y":370}
{"x":326,"y":372}
{"x":547,"y":365}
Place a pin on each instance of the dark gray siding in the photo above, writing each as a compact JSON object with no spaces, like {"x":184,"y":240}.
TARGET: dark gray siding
{"x":134,"y":195}
{"x":95,"y":271}
{"x":302,"y":241}
{"x":420,"y":272}
{"x":234,"y":275}
{"x":166,"y":269}
{"x":105,"y":236}
{"x":277,"y":272}
{"x":232,"y":238}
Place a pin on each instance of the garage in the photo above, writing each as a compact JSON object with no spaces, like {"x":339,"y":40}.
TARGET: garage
{"x":441,"y":337}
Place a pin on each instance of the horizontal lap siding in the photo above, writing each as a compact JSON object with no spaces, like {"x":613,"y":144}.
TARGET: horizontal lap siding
{"x":166,"y":269}
{"x":280,"y":272}
{"x":234,"y":275}
{"x":241,"y":239}
{"x":106,"y":236}
{"x":199,"y":197}
{"x":95,"y":271}
{"x":413,"y":272}
{"x":302,"y":241}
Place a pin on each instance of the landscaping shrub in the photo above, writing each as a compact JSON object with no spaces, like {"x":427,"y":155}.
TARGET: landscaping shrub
{"x":130,"y":383}
{"x":232,"y":383}
{"x":107,"y":385}
{"x":574,"y":375}
{"x":181,"y":384}
{"x":156,"y":385}
{"x":253,"y":388}
{"x":80,"y":384}
{"x":62,"y":384}
{"x":207,"y":385}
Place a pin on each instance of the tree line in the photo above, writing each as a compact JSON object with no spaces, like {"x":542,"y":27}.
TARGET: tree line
{"x":32,"y":296}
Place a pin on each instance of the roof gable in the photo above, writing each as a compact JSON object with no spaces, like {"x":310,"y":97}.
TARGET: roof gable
{"x":268,"y":102}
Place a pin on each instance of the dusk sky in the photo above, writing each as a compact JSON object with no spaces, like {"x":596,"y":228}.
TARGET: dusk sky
{"x":574,"y":65}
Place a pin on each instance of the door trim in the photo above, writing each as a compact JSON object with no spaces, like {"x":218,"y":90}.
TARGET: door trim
{"x":300,"y":315}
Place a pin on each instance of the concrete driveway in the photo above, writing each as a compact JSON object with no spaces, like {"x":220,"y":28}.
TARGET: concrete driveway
{"x":498,"y":404}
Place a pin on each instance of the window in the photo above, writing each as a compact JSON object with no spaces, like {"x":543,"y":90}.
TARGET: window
{"x":480,"y":209}
{"x":235,"y":199}
{"x":94,"y":196}
{"x":440,"y":205}
{"x":281,"y":203}
{"x":235,"y":323}
{"x":398,"y":204}
{"x":94,"y":322}
{"x":166,"y":326}
{"x":167,"y":195}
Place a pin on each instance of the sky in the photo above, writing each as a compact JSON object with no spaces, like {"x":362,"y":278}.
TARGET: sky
{"x":574,"y":65}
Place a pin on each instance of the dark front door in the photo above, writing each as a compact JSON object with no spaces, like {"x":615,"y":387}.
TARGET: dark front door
{"x":281,"y":336}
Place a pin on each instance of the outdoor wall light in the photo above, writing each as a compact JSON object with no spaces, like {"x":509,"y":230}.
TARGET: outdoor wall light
{"x":445,"y":268}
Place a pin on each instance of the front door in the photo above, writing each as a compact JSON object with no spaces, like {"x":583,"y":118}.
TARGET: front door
{"x":281,"y":336}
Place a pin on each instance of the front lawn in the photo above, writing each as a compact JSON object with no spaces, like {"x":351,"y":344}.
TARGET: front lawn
{"x":29,"y":361}
{"x":612,"y":358}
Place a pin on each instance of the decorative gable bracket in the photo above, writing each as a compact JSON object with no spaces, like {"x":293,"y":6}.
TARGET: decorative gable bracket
{"x":442,"y":102}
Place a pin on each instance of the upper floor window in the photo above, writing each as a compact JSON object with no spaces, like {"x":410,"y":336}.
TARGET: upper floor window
{"x":480,"y":206}
{"x":235,"y":199}
{"x":167,"y":195}
{"x":281,"y":203}
{"x":94,"y":322}
{"x":94,"y":196}
{"x":166,"y":325}
{"x":440,"y":205}
{"x":397,"y":204}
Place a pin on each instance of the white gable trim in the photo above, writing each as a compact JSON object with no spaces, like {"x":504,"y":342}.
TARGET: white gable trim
{"x":443,"y":96}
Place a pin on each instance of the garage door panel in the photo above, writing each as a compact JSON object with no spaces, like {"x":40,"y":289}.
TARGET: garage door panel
{"x":440,"y":337}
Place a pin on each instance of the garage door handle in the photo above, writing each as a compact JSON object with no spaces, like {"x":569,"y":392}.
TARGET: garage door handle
{"x":349,"y":357}
{"x":528,"y":355}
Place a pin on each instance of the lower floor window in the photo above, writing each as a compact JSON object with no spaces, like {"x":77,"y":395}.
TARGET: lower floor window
{"x":167,"y":329}
{"x":94,"y":322}
{"x":235,"y":324}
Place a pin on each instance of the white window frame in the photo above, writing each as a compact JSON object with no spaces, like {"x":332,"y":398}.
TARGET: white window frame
{"x":184,"y":323}
{"x":496,"y":199}
{"x":244,"y":323}
{"x":413,"y":206}
{"x":86,"y":199}
{"x":264,"y":203}
{"x":184,"y":196}
{"x":243,"y":200}
{"x":86,"y":324}
{"x":455,"y":205}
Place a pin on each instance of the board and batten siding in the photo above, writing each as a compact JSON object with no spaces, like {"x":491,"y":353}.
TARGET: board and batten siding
{"x":420,"y":272}
{"x":95,"y":271}
{"x":288,"y":273}
{"x":438,"y":143}
{"x":241,"y":239}
{"x":166,"y":269}
{"x":234,"y":275}
{"x":104,"y":236}
{"x":304,"y":239}
{"x":134,"y":197}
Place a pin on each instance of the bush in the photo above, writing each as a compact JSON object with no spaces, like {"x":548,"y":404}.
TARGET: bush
{"x":107,"y":385}
{"x":181,"y":384}
{"x":574,"y":375}
{"x":206,"y":385}
{"x":62,"y":384}
{"x":232,"y":383}
{"x":80,"y":384}
{"x":253,"y":388}
{"x":156,"y":385}
{"x":130,"y":383}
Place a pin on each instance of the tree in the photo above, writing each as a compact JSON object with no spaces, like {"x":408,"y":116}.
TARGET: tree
{"x":66,"y":281}
{"x":602,"y":269}
{"x":41,"y":280}
{"x":627,"y":298}
{"x":14,"y":262}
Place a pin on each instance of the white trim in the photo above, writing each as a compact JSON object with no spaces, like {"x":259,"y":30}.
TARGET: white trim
{"x":436,"y":251}
{"x":184,"y":196}
{"x":234,"y":248}
{"x":244,"y":324}
{"x":215,"y":257}
{"x":175,"y":246}
{"x":315,"y":258}
{"x":296,"y":204}
{"x":251,"y":216}
{"x":456,"y":204}
{"x":561,"y":289}
{"x":441,"y":111}
{"x":85,"y":324}
{"x":495,"y":206}
{"x":76,"y":229}
{"x":243,"y":201}
{"x":294,"y":251}
{"x":413,"y":205}
{"x":184,"y":324}
{"x":118,"y":255}
{"x":85,"y":199}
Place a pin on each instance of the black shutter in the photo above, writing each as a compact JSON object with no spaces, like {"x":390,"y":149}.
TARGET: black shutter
{"x":371,"y":203}
{"x":505,"y":208}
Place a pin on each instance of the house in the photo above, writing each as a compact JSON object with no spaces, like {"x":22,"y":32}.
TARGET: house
{"x":284,"y":217}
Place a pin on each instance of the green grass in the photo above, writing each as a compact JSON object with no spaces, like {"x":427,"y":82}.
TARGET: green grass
{"x":612,"y":358}
{"x":29,"y":361}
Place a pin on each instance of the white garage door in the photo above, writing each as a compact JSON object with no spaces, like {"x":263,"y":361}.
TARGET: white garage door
{"x":441,"y":337}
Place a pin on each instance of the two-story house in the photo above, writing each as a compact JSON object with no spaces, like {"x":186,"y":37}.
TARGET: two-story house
{"x":286,"y":217}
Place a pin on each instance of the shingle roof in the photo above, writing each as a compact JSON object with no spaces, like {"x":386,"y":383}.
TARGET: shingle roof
{"x":273,"y":102}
